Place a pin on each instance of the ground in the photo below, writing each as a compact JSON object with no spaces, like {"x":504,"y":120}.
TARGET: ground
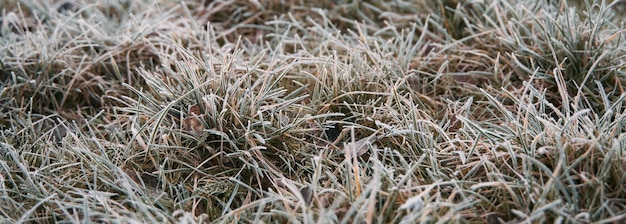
{"x":159,"y":111}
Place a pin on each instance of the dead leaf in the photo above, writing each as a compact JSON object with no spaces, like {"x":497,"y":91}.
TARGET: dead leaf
{"x":359,"y":147}
{"x":195,"y":110}
{"x":307,"y":193}
{"x":193,"y":122}
{"x":149,"y":181}
{"x":133,"y":175}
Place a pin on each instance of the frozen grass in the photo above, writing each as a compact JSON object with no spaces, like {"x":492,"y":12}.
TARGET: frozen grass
{"x":328,"y":112}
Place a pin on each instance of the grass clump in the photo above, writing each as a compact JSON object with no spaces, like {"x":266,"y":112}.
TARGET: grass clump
{"x":334,"y":111}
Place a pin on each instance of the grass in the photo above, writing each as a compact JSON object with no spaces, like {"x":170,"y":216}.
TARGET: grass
{"x":326,"y":112}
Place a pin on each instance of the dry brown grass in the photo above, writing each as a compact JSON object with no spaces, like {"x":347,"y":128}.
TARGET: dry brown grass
{"x":325,"y":112}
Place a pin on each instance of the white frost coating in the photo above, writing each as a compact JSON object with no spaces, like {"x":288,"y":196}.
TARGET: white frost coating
{"x":414,"y":202}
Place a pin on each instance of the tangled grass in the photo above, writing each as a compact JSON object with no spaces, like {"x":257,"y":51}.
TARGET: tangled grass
{"x":244,"y":111}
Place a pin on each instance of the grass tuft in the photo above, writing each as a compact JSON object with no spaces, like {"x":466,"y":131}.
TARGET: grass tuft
{"x":312,"y":112}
